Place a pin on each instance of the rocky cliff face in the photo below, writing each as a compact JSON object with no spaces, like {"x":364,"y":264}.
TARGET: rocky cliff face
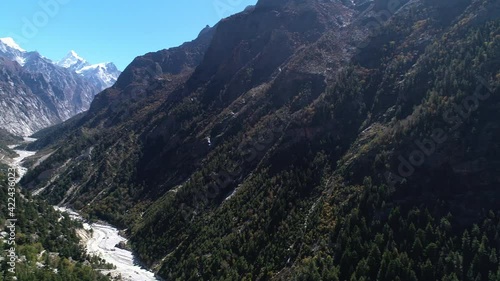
{"x":23,"y":112}
{"x":269,"y":147}
{"x":36,"y":93}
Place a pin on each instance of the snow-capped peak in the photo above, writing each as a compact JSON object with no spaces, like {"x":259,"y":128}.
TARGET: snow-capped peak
{"x":11,"y":43}
{"x":103,"y":75}
{"x":75,"y":55}
{"x":93,"y":66}
{"x":72,"y":60}
{"x":11,"y":50}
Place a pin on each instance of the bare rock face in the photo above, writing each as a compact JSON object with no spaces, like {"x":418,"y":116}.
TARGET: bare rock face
{"x":23,"y":112}
{"x":36,"y":93}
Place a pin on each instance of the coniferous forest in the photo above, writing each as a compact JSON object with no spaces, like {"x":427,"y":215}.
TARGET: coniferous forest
{"x":296,"y":140}
{"x":46,"y":243}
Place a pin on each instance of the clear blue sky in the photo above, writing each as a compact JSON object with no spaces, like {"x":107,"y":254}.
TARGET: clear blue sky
{"x":109,"y":30}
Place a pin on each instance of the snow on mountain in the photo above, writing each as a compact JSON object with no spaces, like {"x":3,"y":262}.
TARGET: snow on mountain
{"x":40,"y":94}
{"x":11,"y":50}
{"x":11,"y":43}
{"x":72,"y":61}
{"x":103,"y":75}
{"x":36,"y":92}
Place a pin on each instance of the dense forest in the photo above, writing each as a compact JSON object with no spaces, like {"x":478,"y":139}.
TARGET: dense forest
{"x":357,"y":218}
{"x":293,"y":152}
{"x":46,"y":244}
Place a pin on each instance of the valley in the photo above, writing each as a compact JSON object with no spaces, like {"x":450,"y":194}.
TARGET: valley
{"x":100,"y":239}
{"x":295,"y":140}
{"x":22,"y":154}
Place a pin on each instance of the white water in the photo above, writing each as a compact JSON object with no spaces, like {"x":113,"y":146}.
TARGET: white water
{"x":100,"y":239}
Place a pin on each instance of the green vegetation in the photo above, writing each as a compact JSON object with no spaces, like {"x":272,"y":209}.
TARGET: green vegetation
{"x":46,"y":243}
{"x":326,"y":215}
{"x":7,"y":139}
{"x":293,"y":184}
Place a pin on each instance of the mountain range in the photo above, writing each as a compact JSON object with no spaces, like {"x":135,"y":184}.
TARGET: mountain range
{"x":102,"y":75}
{"x":299,"y":140}
{"x":36,"y":92}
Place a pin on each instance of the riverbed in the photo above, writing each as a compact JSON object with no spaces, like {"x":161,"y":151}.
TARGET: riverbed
{"x":17,"y":161}
{"x":100,"y":238}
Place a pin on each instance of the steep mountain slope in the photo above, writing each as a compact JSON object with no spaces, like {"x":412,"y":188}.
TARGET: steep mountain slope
{"x":36,"y":93}
{"x":171,"y":117}
{"x":301,"y":140}
{"x":22,"y":111}
{"x":6,"y":154}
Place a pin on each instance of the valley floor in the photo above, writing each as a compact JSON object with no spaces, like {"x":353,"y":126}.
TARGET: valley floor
{"x":100,"y":239}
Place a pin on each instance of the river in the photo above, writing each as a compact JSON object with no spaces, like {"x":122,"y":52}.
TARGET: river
{"x":100,"y":238}
{"x":16,"y":162}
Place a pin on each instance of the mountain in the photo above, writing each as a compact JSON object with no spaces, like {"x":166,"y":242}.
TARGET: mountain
{"x":36,"y":93}
{"x":6,"y":154}
{"x":102,"y":75}
{"x":300,"y":140}
{"x":11,"y":50}
{"x":73,"y":61}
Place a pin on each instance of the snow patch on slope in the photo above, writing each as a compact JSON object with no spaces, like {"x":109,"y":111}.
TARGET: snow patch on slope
{"x":103,"y":75}
{"x":10,"y":49}
{"x":12,"y":44}
{"x":106,"y":72}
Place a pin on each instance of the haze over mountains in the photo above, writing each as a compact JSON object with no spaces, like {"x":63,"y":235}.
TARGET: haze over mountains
{"x":36,"y":93}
